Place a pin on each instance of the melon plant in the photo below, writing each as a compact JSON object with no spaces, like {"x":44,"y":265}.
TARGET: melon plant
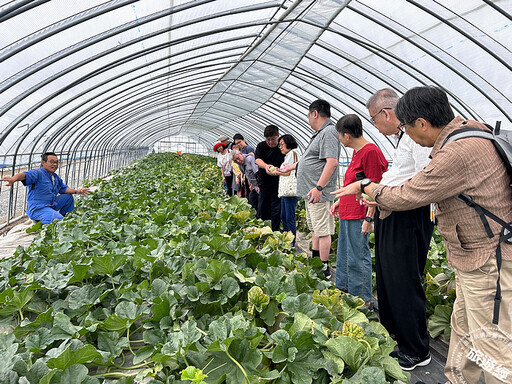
{"x":157,"y":277}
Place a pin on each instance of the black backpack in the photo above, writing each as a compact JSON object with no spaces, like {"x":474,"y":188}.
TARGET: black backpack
{"x":502,"y":141}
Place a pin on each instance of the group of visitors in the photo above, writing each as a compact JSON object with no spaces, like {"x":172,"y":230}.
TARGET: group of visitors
{"x":401,"y":205}
{"x":422,"y":121}
{"x":273,"y":194}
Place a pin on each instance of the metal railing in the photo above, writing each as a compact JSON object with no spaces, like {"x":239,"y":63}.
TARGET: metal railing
{"x":73,"y":170}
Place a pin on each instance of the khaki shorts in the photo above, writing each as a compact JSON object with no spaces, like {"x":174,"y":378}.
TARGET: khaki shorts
{"x":319,"y":218}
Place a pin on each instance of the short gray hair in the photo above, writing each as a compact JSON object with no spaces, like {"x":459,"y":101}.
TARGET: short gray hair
{"x":383,"y":98}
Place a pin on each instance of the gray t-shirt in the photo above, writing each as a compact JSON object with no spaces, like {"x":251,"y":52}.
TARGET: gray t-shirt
{"x":324,"y":143}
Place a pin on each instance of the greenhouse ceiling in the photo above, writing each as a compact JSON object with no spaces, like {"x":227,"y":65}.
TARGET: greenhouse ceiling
{"x":124,"y":74}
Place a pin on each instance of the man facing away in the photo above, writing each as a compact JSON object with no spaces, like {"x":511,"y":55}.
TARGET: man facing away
{"x":268,"y":156}
{"x":471,"y":166}
{"x":317,"y":175}
{"x":402,"y":241}
{"x":48,"y":197}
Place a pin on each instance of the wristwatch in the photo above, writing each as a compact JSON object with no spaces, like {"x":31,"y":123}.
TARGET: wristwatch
{"x":364,"y":183}
{"x":368,"y":219}
{"x":319,"y":187}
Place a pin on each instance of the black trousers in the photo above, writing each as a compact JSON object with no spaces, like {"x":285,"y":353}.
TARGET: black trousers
{"x":402,"y":241}
{"x":229,"y":182}
{"x":253,"y":199}
{"x":269,"y":207}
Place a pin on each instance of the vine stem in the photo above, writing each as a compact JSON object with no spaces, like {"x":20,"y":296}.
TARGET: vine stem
{"x":128,"y":337}
{"x":115,"y":374}
{"x":238,"y":364}
{"x":122,"y":362}
{"x":114,"y":286}
{"x":136,"y":366}
{"x":220,"y":366}
{"x":185,"y":357}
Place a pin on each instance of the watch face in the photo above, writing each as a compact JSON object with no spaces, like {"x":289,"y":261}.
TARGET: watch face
{"x":319,"y":187}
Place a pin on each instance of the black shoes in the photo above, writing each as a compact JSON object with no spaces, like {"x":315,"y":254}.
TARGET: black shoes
{"x":327,"y":272}
{"x":408,"y":363}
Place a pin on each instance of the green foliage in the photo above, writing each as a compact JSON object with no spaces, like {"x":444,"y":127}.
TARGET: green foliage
{"x":439,"y":285}
{"x":158,"y":277}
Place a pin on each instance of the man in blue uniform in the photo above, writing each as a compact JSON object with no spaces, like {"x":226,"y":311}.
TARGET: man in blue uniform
{"x":48,"y":197}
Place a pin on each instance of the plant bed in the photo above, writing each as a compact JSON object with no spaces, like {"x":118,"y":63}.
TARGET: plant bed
{"x":159,"y":278}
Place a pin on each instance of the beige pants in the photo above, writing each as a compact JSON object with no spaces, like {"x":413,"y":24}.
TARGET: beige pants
{"x":319,"y":218}
{"x":477,"y":345}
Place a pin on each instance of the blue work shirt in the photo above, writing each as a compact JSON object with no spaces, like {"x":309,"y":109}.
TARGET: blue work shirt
{"x":41,"y":189}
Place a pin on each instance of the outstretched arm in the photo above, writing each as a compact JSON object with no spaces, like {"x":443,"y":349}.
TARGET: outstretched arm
{"x":79,"y":191}
{"x":12,"y":179}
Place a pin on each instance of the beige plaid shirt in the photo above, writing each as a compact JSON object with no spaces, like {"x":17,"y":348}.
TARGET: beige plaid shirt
{"x":471,"y":166}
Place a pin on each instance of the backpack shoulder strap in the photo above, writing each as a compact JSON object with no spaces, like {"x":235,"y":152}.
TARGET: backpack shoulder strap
{"x":505,"y":236}
{"x":466,"y":132}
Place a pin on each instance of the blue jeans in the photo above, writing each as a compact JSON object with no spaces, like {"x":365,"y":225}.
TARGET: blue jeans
{"x":288,"y":207}
{"x":63,"y":204}
{"x":354,"y":261}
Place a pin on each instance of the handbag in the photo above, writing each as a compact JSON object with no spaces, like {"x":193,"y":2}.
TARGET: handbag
{"x":288,"y":184}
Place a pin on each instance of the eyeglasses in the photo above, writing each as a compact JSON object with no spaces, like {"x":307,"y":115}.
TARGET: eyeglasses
{"x":53,"y":161}
{"x":373,"y":117}
{"x":271,"y":139}
{"x":281,"y":145}
{"x":401,"y":127}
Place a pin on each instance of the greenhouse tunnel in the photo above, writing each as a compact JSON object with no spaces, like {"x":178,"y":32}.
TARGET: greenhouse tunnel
{"x":103,"y":83}
{"x":120,"y":89}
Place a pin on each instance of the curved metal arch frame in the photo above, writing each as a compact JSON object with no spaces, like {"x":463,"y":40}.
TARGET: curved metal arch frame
{"x":99,"y":133}
{"x":499,"y":9}
{"x":87,"y":140}
{"x":326,"y":87}
{"x":61,"y":26}
{"x":116,"y":86}
{"x":83,"y":78}
{"x":138,"y":40}
{"x":18,"y":8}
{"x":161,"y":81}
{"x":443,"y":62}
{"x":93,"y":98}
{"x":462,"y":32}
{"x":386,"y":56}
{"x":93,"y":40}
{"x":130,"y":121}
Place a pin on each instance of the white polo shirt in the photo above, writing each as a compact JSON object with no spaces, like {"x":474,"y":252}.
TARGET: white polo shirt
{"x":409,"y":158}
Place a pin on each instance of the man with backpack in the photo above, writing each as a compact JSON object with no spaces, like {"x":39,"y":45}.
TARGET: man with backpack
{"x":481,"y":318}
